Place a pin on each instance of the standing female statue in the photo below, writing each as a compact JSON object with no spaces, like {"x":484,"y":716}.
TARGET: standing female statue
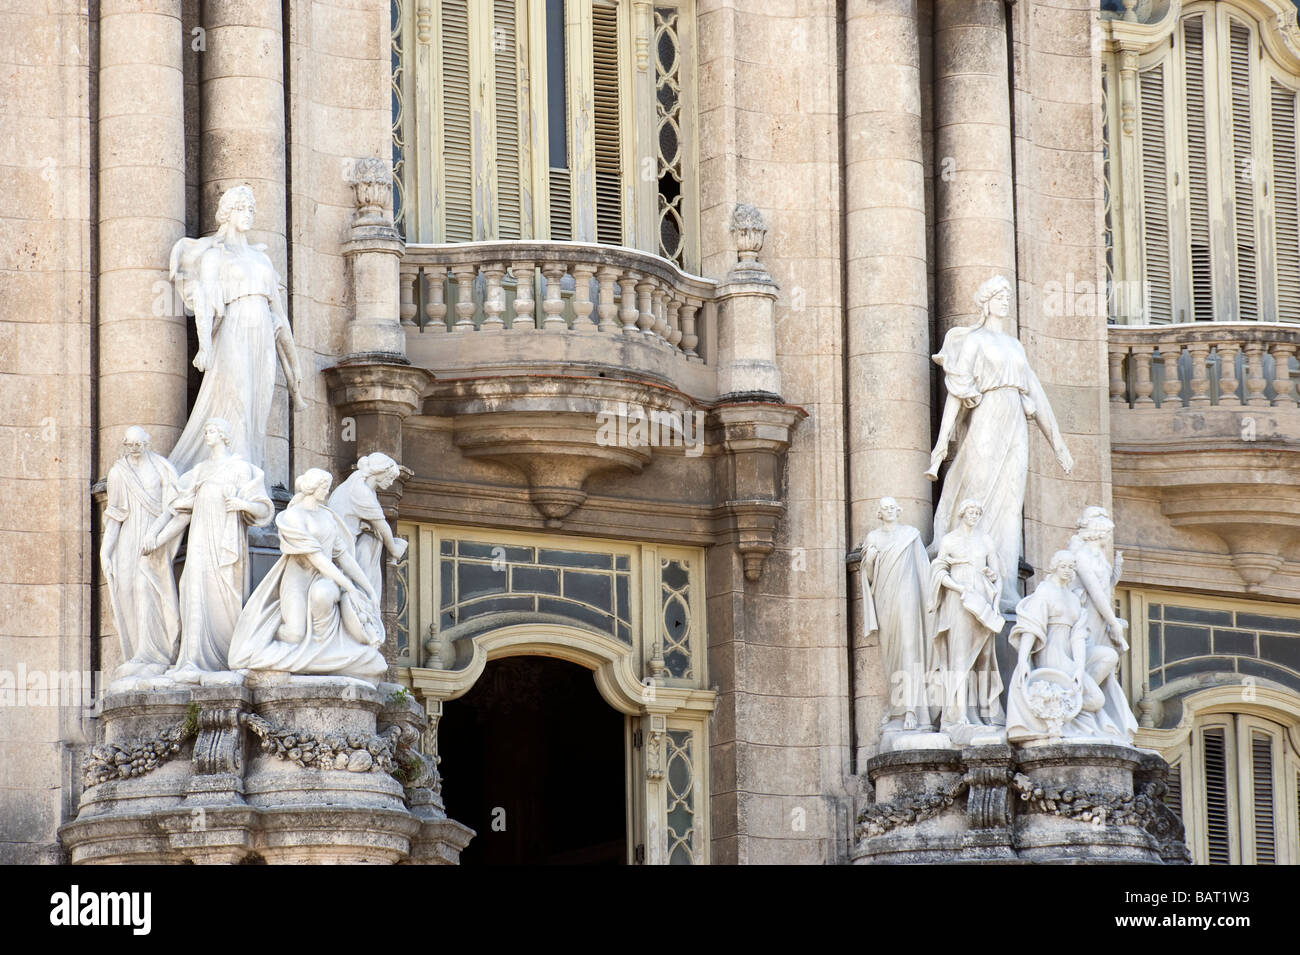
{"x":1094,"y":584}
{"x":895,"y":573}
{"x":234,"y":292}
{"x":217,"y":499}
{"x":965,"y":580}
{"x":314,"y":612}
{"x":356,"y":503}
{"x":987,"y":374}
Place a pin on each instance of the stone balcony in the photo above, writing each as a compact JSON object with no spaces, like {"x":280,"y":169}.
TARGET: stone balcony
{"x":1205,"y":422}
{"x":479,"y":309}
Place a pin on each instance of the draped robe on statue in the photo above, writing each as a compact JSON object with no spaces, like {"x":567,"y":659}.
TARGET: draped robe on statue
{"x":357,"y":505}
{"x":893,"y":601}
{"x":298,"y":620}
{"x":1115,"y":716}
{"x":140,"y":589}
{"x":1050,"y":618}
{"x":989,"y":372}
{"x":212,"y":585}
{"x":237,"y":288}
{"x":965,"y":633}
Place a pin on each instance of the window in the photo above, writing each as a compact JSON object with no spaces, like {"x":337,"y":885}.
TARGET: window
{"x":1203,"y":211}
{"x":545,"y":119}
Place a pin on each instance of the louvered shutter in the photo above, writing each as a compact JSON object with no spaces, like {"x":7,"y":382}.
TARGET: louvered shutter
{"x":1174,"y":790}
{"x":1198,"y":183}
{"x":505,"y":64}
{"x":457,"y":157}
{"x":608,"y":124}
{"x":1261,"y":765}
{"x":1243,"y":171}
{"x":1215,"y":773}
{"x":1286,"y":204}
{"x":1155,"y":197}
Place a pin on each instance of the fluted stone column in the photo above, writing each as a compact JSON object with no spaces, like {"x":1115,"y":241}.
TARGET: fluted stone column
{"x":243,"y":142}
{"x":888,"y":386}
{"x":141,"y":168}
{"x":974,"y":204}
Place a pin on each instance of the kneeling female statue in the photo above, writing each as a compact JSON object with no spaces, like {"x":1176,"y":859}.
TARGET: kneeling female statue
{"x":315,"y":612}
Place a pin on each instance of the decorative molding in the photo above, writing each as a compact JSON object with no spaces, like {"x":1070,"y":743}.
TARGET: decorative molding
{"x":877,"y":820}
{"x":353,"y":752}
{"x":109,"y":761}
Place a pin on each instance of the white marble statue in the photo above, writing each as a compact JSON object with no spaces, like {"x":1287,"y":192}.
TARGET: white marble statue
{"x":234,"y":292}
{"x":1045,"y":700}
{"x":965,"y":580}
{"x":217,"y":500}
{"x":315,"y":612}
{"x":141,"y":587}
{"x":987,"y":375}
{"x":357,"y":504}
{"x":1094,"y":584}
{"x":895,"y":575}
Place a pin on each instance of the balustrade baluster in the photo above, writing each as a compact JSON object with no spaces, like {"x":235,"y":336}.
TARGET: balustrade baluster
{"x":465,"y":306}
{"x":494,"y":297}
{"x":689,"y":337}
{"x":606,"y":310}
{"x":524,"y":303}
{"x":408,"y":278}
{"x":627,"y":312}
{"x":673,"y":307}
{"x":658,"y":308}
{"x":1118,"y":386}
{"x":644,"y":294}
{"x":1227,"y":372}
{"x":1171,"y":389}
{"x":1143,"y":386}
{"x":435,"y":299}
{"x":1199,"y":353}
{"x":553,"y":306}
{"x":582,"y":304}
{"x":1256,"y":383}
{"x":1283,"y":387}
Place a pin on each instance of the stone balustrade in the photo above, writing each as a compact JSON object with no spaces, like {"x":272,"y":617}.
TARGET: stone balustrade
{"x":1204,"y":364}
{"x":515,"y":287}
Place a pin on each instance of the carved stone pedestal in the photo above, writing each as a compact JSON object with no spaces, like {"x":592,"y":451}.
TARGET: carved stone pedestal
{"x":1057,"y":803}
{"x":308,"y":770}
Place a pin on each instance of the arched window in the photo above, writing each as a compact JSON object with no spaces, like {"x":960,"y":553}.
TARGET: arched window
{"x":546,"y":119}
{"x":1203,"y":210}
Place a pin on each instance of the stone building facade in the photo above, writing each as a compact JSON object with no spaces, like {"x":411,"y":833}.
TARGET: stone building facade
{"x":646,"y":312}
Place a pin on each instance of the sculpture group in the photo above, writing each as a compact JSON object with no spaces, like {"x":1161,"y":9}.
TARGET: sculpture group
{"x":317,"y":612}
{"x":938,"y":620}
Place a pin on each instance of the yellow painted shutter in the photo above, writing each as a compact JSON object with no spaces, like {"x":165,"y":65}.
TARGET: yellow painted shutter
{"x":505,"y":53}
{"x":608,"y":128}
{"x":1198,"y":185}
{"x":1155,"y":197}
{"x":457,"y":158}
{"x":1286,"y":203}
{"x":1215,"y":770}
{"x":1243,"y":172}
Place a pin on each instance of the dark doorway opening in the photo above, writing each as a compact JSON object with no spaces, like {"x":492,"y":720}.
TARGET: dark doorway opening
{"x":532,"y":760}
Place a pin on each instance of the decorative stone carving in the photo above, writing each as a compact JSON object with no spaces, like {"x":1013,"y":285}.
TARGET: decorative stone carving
{"x":217,"y":499}
{"x":895,"y":573}
{"x":353,"y":752}
{"x":141,"y":588}
{"x":372,"y":184}
{"x":356,"y":503}
{"x":1094,"y":584}
{"x":749,"y":229}
{"x":879,"y":819}
{"x":108,"y":761}
{"x":965,"y":580}
{"x":987,"y":375}
{"x":1113,"y":808}
{"x":234,"y":292}
{"x":315,"y":612}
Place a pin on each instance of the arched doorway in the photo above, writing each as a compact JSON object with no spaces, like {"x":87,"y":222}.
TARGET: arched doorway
{"x":534,"y":762}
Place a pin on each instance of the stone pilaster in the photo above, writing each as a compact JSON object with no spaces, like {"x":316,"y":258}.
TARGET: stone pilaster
{"x":974,"y":205}
{"x":888,"y":344}
{"x":374,"y":250}
{"x":746,"y":317}
{"x":141,"y":169}
{"x":243,"y":143}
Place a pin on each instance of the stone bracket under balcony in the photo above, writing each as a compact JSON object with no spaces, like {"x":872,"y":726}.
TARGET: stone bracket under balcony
{"x":1205,"y":416}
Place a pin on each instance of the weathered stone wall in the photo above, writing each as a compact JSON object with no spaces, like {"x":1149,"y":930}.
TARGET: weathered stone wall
{"x":769,"y":131}
{"x":45,"y":375}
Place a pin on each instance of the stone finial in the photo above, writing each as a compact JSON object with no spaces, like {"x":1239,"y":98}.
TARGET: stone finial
{"x":372,"y":182}
{"x":749,"y":228}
